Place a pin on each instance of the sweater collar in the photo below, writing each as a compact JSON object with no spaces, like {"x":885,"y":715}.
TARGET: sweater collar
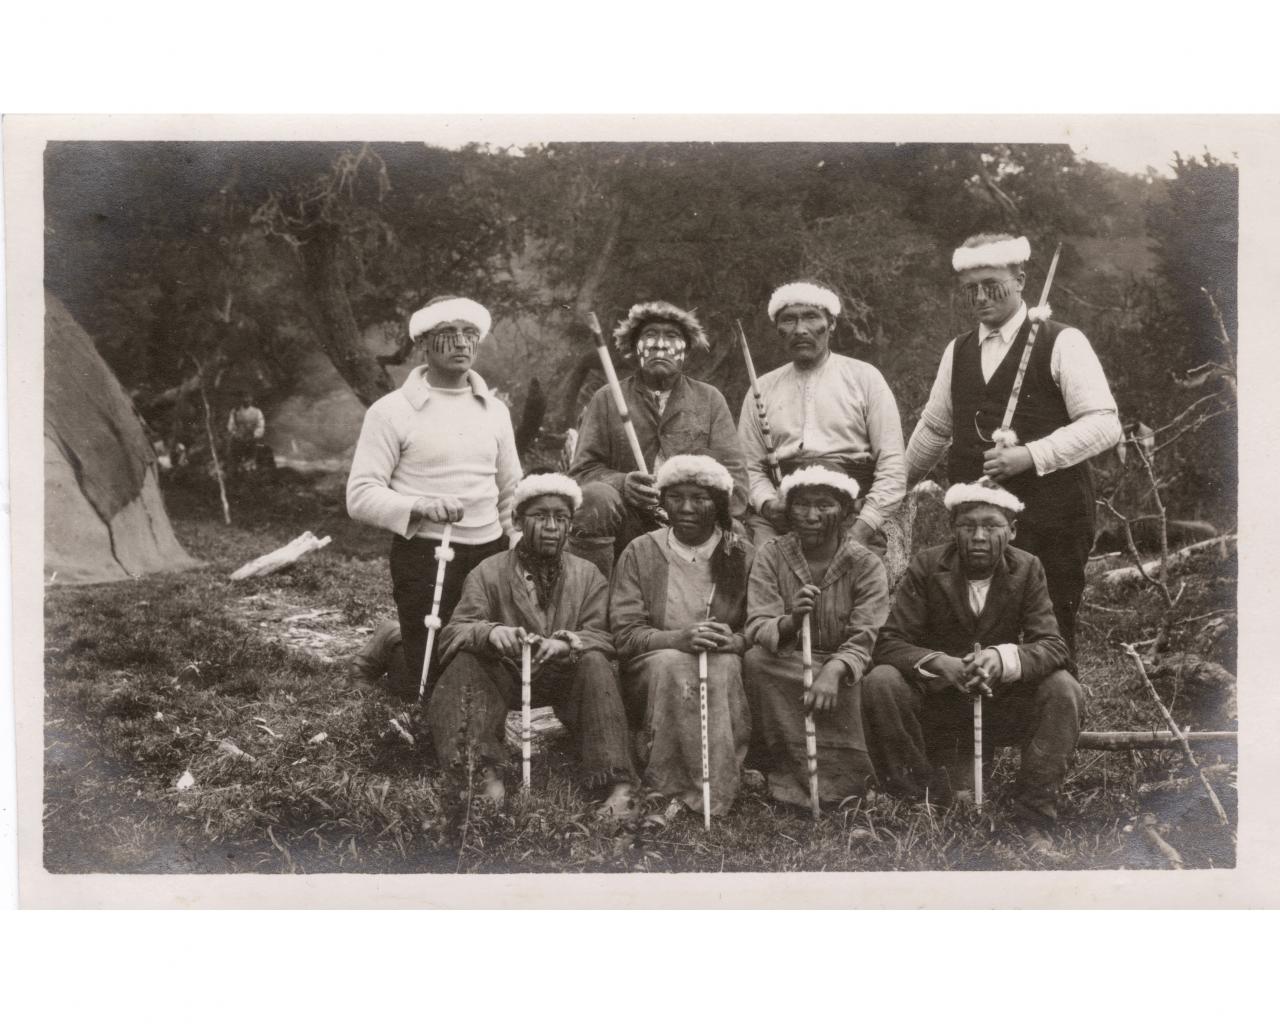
{"x":416,"y":390}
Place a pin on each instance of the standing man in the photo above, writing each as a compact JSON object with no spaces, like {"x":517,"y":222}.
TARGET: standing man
{"x":673,"y":414}
{"x":439,"y":450}
{"x":246,"y":425}
{"x":1065,"y":415}
{"x":824,"y":409}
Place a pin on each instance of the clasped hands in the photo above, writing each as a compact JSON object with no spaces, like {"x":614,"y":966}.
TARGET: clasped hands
{"x":969,"y":675}
{"x":507,"y":640}
{"x":707,"y":635}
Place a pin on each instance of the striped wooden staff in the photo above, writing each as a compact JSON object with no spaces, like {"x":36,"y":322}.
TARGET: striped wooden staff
{"x":770,"y":450}
{"x":444,"y":554}
{"x":526,"y":711}
{"x":810,"y":730}
{"x":706,"y":744}
{"x":977,"y":739}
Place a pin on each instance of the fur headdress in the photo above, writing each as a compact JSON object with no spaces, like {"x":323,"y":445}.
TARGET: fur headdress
{"x":695,"y":469}
{"x":819,"y":476}
{"x":981,"y":494}
{"x":803,"y":293}
{"x":987,"y":251}
{"x":644,"y":313}
{"x":535,"y":485}
{"x":443,"y":310}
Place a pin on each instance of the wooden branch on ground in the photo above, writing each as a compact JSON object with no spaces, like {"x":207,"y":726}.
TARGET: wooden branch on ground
{"x":278,"y":559}
{"x":1151,"y":739}
{"x":1173,"y":727}
{"x":1151,"y":831}
{"x":1143,"y":570}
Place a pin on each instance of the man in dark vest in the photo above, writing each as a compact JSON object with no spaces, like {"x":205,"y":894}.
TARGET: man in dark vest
{"x":1065,"y":415}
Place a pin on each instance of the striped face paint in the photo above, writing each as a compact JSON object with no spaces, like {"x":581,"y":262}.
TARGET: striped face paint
{"x":447,"y":341}
{"x":661,"y":341}
{"x":997,"y":291}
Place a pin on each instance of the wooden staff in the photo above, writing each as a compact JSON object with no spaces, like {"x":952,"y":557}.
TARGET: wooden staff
{"x":628,"y":428}
{"x":444,"y":554}
{"x":977,"y":738}
{"x":810,"y":730}
{"x":770,"y":450}
{"x":526,"y":711}
{"x":706,"y":745}
{"x":1004,"y":437}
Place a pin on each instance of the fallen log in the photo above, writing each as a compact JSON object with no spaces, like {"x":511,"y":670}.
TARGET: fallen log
{"x":1132,"y":574}
{"x":275,"y":560}
{"x":1151,"y":829}
{"x":1153,"y":739}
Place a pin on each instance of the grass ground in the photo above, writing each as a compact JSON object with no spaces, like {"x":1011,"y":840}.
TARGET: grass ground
{"x":242,"y":687}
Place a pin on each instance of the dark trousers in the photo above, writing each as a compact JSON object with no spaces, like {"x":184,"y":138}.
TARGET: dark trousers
{"x":605,"y":525}
{"x":1063,"y":549}
{"x":920,"y":740}
{"x":468,"y":711}
{"x":413,"y":584}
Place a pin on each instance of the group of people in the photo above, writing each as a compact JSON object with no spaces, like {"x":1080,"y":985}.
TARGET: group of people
{"x":734,"y":541}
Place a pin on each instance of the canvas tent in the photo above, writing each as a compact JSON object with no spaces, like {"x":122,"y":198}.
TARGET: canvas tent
{"x":104,"y":518}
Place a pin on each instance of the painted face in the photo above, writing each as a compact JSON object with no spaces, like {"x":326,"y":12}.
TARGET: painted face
{"x":661,"y":349}
{"x":816,"y":514}
{"x":450,"y":347}
{"x":806,"y":331}
{"x":982,"y":532}
{"x":545,"y":521}
{"x":993,"y":293}
{"x":692,"y":511}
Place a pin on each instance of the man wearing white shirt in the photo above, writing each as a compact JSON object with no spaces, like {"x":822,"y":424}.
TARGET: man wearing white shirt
{"x":438,"y":450}
{"x":1065,"y":415}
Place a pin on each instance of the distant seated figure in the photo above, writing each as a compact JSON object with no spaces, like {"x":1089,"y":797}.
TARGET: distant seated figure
{"x":917,"y":702}
{"x":678,"y":591}
{"x":673,"y":414}
{"x":534,"y":591}
{"x":820,"y":570}
{"x":246,"y":426}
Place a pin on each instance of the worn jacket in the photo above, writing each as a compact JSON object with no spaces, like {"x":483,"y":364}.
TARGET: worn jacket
{"x":849,"y":611}
{"x":638,"y":591}
{"x":931,"y":613}
{"x":696,"y":421}
{"x":494,"y":594}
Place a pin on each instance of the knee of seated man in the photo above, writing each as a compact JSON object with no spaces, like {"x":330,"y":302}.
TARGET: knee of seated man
{"x":600,"y":510}
{"x":882,"y":683}
{"x":595,"y":665}
{"x":1061,"y":688}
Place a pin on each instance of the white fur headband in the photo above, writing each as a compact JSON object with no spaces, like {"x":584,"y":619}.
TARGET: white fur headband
{"x":803,"y":293}
{"x":819,"y":476}
{"x":1007,"y":252}
{"x":436,"y":313}
{"x":537,"y":484}
{"x":981,"y":494}
{"x":702,"y":470}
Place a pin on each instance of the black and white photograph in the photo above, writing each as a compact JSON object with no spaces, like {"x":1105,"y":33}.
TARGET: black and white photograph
{"x":559,"y":500}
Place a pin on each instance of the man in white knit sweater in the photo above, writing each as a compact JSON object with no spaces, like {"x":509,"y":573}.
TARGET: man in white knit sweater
{"x":439,"y":450}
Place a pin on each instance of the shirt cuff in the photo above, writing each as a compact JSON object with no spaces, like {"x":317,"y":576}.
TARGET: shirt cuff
{"x":920,"y":665}
{"x":1010,"y":662}
{"x":1041,"y":457}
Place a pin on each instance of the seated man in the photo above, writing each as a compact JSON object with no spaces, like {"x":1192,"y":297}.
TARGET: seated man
{"x":816,"y":569}
{"x":917,"y":702}
{"x":533,"y":591}
{"x":679,"y":591}
{"x":673,"y":414}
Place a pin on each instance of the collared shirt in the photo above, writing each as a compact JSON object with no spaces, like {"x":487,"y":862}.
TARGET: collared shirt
{"x":701,"y":553}
{"x":420,"y":441}
{"x":1010,"y":660}
{"x":1094,"y":426}
{"x":842,"y":407}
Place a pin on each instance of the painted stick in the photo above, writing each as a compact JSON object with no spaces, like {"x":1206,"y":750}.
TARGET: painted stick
{"x":1004,"y":437}
{"x":770,"y":450}
{"x":615,"y":389}
{"x":977,"y":738}
{"x":810,"y":730}
{"x":444,"y":554}
{"x":526,"y":711}
{"x":706,"y":744}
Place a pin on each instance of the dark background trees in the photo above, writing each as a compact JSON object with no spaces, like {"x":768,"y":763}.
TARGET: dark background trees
{"x":249,"y":258}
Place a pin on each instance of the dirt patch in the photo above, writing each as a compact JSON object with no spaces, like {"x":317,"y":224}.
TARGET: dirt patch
{"x":323,"y":633}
